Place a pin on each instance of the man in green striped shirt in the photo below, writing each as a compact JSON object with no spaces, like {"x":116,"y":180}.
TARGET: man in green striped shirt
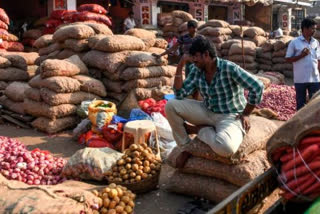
{"x":221,"y":119}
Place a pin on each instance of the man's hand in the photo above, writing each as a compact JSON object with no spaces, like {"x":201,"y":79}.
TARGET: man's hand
{"x":245,"y":122}
{"x":305,"y":52}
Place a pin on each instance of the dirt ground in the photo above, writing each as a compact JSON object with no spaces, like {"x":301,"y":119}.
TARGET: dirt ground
{"x":156,"y":202}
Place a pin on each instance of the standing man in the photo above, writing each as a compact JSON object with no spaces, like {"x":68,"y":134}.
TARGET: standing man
{"x":129,"y":22}
{"x":222,"y":118}
{"x":304,"y":53}
{"x":185,"y":43}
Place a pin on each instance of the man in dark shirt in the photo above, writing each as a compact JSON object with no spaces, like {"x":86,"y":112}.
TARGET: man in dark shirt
{"x":185,"y":43}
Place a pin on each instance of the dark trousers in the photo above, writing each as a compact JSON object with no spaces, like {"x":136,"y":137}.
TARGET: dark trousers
{"x":301,"y":92}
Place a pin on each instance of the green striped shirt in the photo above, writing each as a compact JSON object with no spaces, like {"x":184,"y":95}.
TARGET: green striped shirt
{"x":225,"y":94}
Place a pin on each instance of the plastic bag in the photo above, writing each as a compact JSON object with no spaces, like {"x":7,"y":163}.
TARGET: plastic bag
{"x":113,"y":133}
{"x":117,"y":119}
{"x":83,"y":111}
{"x":163,"y":127}
{"x":96,"y":141}
{"x":138,"y":114}
{"x":91,"y":163}
{"x":81,"y":128}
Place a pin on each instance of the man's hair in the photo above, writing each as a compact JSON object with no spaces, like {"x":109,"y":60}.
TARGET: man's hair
{"x":201,"y":45}
{"x":131,"y":13}
{"x":307,"y":23}
{"x":192,"y":23}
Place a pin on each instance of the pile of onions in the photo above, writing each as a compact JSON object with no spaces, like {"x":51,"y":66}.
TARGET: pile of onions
{"x":33,"y":168}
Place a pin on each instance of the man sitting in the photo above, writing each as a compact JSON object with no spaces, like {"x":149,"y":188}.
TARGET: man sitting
{"x":221,"y":119}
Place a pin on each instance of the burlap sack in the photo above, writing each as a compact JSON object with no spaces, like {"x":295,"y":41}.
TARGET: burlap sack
{"x":33,"y":94}
{"x":268,"y":45}
{"x":93,"y":40}
{"x":264,"y":61}
{"x":143,"y":59}
{"x":132,"y":73}
{"x":68,"y":67}
{"x":282,"y":67}
{"x":112,"y":76}
{"x":116,"y":43}
{"x":39,"y":109}
{"x":253,"y":66}
{"x":65,"y":53}
{"x":105,"y":61}
{"x":279,"y":53}
{"x":9,"y":37}
{"x":264,"y":55}
{"x":15,"y":91}
{"x":13,"y":74}
{"x":148,"y":37}
{"x":183,"y":27}
{"x":33,"y":34}
{"x":239,"y":58}
{"x":99,"y":28}
{"x":261,"y":130}
{"x":215,"y":31}
{"x":91,"y":85}
{"x":53,"y":99}
{"x":16,"y":61}
{"x":282,"y":43}
{"x":177,"y":21}
{"x":288,"y":73}
{"x":147,"y":83}
{"x":265,"y":67}
{"x":80,"y":31}
{"x":159,"y":92}
{"x":195,"y":185}
{"x":16,"y":107}
{"x":41,"y":59}
{"x":240,"y":174}
{"x":253,"y":32}
{"x":112,"y":86}
{"x":117,"y":96}
{"x":4,"y":62}
{"x":54,"y":126}
{"x":3,"y":85}
{"x":76,"y":45}
{"x":300,"y":125}
{"x":182,"y":14}
{"x":249,"y":48}
{"x":32,"y":70}
{"x":266,"y":82}
{"x":227,"y":44}
{"x":275,"y":77}
{"x":143,"y":93}
{"x":259,"y":40}
{"x":68,"y":197}
{"x":277,"y":60}
{"x":43,"y":41}
{"x":157,"y":51}
{"x":57,"y":84}
{"x":215,"y":23}
{"x":236,"y":29}
{"x":161,"y":43}
{"x":49,"y":49}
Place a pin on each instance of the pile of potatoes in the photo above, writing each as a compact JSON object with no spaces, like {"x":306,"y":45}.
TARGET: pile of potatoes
{"x":137,"y":164}
{"x":115,"y":199}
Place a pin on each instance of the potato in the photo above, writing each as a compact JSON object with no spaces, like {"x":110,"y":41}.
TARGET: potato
{"x":108,"y":173}
{"x":147,"y":169}
{"x":131,"y":204}
{"x":100,"y":202}
{"x":128,"y":160}
{"x":106,"y":190}
{"x":127,"y":181}
{"x":118,"y":180}
{"x":112,"y":204}
{"x":104,"y":210}
{"x":132,"y":174}
{"x":115,"y":168}
{"x":144,"y":145}
{"x":95,"y":192}
{"x":144,"y":175}
{"x":152,"y":166}
{"x":115,"y":174}
{"x":125,"y":177}
{"x":135,"y":167}
{"x":139,"y":172}
{"x":125,"y":199}
{"x":132,"y":195}
{"x":132,"y":180}
{"x":116,"y":199}
{"x":153,"y":172}
{"x":146,"y":163}
{"x":119,"y":209}
{"x":135,"y":154}
{"x":141,"y":167}
{"x":113,"y":193}
{"x":133,"y":147}
{"x":105,"y":195}
{"x":123,"y":172}
{"x":128,"y":209}
{"x":120,"y":191}
{"x":95,"y":212}
{"x":138,"y":178}
{"x":121,"y":162}
{"x":106,"y":202}
{"x":112,"y":211}
{"x":121,"y":203}
{"x":124,"y":212}
{"x":149,"y":175}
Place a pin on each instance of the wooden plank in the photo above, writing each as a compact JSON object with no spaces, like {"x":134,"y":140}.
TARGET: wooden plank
{"x":248,"y":196}
{"x":17,"y":122}
{"x":23,"y":118}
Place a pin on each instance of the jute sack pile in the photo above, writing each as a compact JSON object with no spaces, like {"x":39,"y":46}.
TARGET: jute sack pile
{"x":68,"y":40}
{"x":217,"y":31}
{"x":171,"y":22}
{"x":29,"y":37}
{"x":16,"y":69}
{"x":264,"y":55}
{"x":278,"y":57}
{"x":236,"y":55}
{"x":226,"y":46}
{"x":256,"y":35}
{"x":220,"y":176}
{"x":56,"y":92}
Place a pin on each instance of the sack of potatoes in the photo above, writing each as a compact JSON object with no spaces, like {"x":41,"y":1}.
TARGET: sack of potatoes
{"x":138,"y":169}
{"x":115,"y":199}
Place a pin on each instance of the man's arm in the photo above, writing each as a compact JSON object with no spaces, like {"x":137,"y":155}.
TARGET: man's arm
{"x":168,"y":51}
{"x":290,"y":55}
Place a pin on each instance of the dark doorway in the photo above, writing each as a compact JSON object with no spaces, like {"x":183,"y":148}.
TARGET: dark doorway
{"x":218,"y":12}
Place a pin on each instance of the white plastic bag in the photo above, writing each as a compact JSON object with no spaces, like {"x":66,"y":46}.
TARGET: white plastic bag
{"x":163,"y":127}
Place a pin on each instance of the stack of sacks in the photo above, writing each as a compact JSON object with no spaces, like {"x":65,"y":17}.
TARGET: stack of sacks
{"x":275,"y":78}
{"x":236,"y":31}
{"x":15,"y":69}
{"x":256,"y":35}
{"x":29,"y":37}
{"x":226,"y":46}
{"x":278,"y":56}
{"x":235,"y":55}
{"x":264,"y":55}
{"x":56,"y":92}
{"x":213,"y":177}
{"x":217,"y":31}
{"x":40,"y":24}
{"x":126,"y":66}
{"x":69,"y":40}
{"x":317,"y":33}
{"x":148,"y":37}
{"x":93,"y":12}
{"x":9,"y":41}
{"x":178,"y":18}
